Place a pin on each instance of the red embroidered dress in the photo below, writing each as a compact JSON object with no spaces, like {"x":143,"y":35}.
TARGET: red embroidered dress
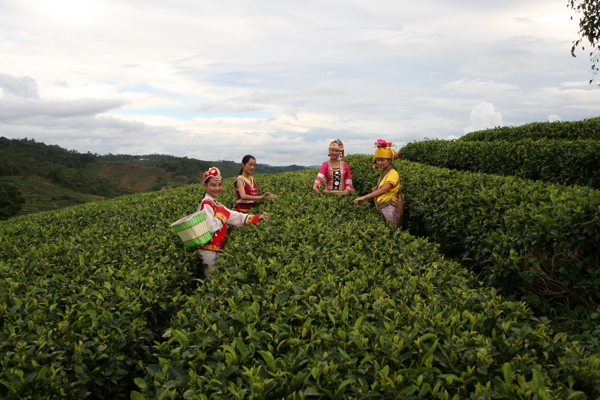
{"x":218,"y":218}
{"x":251,"y":188}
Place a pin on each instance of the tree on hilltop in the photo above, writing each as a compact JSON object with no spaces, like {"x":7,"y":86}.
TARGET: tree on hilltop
{"x":589,"y":29}
{"x":11,"y":200}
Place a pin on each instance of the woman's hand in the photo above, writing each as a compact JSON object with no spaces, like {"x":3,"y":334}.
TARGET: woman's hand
{"x":264,"y":216}
{"x":358,"y":200}
{"x":316,"y":188}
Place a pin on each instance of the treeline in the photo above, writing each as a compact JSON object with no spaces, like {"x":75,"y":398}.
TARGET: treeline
{"x":543,"y":151}
{"x":47,"y":153}
{"x":193,"y":169}
{"x":145,"y":159}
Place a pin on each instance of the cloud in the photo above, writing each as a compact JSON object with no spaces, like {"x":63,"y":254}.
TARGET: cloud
{"x":216,"y":80}
{"x":483,"y":116}
{"x":18,"y":110}
{"x":554,"y":118}
{"x":22,"y":86}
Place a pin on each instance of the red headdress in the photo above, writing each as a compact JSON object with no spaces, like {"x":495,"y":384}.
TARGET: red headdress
{"x":213,"y":173}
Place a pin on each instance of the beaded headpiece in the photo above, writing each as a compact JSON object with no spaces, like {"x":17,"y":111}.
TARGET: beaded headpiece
{"x":337,"y":144}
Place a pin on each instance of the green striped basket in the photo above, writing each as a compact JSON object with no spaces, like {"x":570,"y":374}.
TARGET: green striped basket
{"x":193,"y":229}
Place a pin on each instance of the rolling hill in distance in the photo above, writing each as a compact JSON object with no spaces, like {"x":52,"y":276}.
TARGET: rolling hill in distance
{"x":51,"y":177}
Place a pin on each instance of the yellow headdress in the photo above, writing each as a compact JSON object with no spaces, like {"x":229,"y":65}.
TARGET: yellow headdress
{"x":382,"y":150}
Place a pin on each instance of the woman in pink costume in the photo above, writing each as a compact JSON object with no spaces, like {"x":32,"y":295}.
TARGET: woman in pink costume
{"x":335,"y":171}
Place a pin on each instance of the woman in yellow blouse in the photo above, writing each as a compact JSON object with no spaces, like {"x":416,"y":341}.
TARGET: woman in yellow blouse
{"x":389,"y":199}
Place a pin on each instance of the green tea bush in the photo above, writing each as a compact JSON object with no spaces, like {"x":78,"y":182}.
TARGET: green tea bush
{"x":566,"y":162}
{"x":569,"y":130}
{"x":323,"y":300}
{"x":521,"y":236}
{"x":82,"y":293}
{"x":327,"y":300}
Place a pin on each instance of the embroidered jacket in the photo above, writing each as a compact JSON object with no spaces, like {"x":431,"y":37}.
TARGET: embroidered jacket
{"x":218,"y":218}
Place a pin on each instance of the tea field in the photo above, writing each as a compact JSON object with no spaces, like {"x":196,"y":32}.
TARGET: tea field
{"x":322,"y":301}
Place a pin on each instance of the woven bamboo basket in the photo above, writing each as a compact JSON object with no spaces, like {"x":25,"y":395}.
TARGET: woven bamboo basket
{"x":193,"y":229}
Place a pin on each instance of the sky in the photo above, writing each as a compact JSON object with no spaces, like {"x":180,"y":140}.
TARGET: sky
{"x":280,"y":79}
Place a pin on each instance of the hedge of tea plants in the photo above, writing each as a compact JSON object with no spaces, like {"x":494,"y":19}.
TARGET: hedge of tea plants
{"x":84,"y":292}
{"x":569,"y":130}
{"x":522,"y":237}
{"x":569,"y":162}
{"x":323,"y":300}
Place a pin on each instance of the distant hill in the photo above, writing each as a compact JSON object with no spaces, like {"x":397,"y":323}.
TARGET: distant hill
{"x":133,"y":176}
{"x":151,"y":172}
{"x":52,"y":177}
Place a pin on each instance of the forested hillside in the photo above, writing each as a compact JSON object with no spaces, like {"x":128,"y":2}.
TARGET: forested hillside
{"x":26,"y":157}
{"x":50,"y":177}
{"x":42,"y":152}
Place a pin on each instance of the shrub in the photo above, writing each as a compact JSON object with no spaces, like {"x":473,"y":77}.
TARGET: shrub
{"x":11,"y":200}
{"x":520,"y":236}
{"x":559,"y":161}
{"x":570,"y":130}
{"x":323,"y":300}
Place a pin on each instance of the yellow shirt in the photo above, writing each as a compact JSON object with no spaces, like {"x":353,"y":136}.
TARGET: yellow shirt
{"x":391,"y":196}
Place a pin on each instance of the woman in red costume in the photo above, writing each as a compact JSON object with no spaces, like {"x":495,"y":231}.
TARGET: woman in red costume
{"x":246,"y":188}
{"x":218,"y":216}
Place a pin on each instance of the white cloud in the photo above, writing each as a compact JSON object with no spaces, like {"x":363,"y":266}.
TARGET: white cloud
{"x":214,"y":79}
{"x":554,"y":118}
{"x":19,"y":110}
{"x":21,"y":86}
{"x":483,"y":116}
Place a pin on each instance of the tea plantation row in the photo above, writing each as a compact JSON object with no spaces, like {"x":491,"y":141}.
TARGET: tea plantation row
{"x":522,"y":237}
{"x":324,"y":300}
{"x":569,"y":162}
{"x":569,"y":130}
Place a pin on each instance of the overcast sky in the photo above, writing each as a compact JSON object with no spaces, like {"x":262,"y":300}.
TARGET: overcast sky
{"x":279,"y":79}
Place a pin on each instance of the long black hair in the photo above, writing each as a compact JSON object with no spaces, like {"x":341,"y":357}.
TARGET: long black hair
{"x":245,"y":160}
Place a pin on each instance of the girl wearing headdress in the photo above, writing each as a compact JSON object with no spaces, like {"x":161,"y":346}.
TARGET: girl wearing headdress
{"x":217,"y":217}
{"x":389,"y":199}
{"x":335,"y":171}
{"x":246,"y":188}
